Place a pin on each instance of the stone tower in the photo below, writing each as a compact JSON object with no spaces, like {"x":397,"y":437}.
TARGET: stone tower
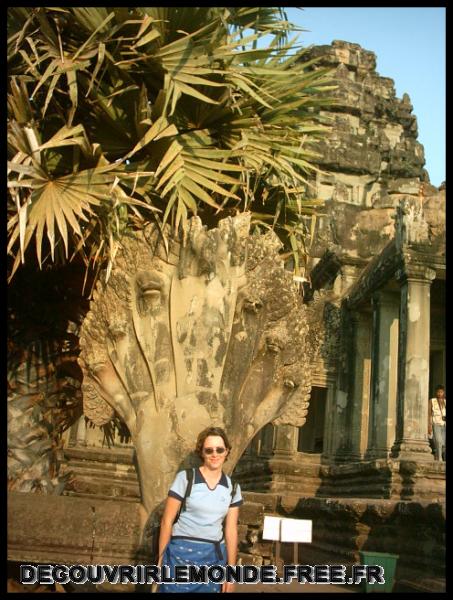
{"x":370,"y":158}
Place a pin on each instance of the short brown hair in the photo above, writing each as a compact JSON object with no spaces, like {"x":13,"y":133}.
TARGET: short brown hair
{"x":207,"y":432}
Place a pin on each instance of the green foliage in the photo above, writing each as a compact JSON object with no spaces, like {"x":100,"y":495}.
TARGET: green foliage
{"x":118,"y":117}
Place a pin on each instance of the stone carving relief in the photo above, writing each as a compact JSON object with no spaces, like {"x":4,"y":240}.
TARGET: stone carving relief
{"x":410,"y":224}
{"x":323,"y":315}
{"x":212,"y":332}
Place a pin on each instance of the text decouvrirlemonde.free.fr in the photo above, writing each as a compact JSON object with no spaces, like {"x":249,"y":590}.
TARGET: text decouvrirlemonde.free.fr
{"x":148,"y":574}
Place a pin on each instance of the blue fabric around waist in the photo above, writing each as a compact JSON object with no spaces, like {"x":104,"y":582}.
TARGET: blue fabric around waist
{"x":191,"y":552}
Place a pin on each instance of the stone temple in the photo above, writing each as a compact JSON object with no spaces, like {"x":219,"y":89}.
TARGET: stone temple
{"x":338,"y":390}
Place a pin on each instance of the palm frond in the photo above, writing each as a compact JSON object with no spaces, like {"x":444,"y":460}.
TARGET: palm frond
{"x":118,"y":117}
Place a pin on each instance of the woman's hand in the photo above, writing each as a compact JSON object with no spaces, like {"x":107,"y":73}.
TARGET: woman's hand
{"x":227,"y":587}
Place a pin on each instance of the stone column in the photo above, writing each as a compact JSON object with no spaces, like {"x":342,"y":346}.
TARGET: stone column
{"x":360,"y":396}
{"x":384,"y":366}
{"x":267,"y":440}
{"x":342,"y":405}
{"x":339,"y":426}
{"x":255,"y":445}
{"x":282,"y":463}
{"x":330,"y":423}
{"x":81,"y":432}
{"x":413,"y":364}
{"x":285,"y":441}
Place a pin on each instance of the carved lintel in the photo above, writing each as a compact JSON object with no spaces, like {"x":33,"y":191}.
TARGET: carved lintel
{"x":380,"y":270}
{"x":415,"y":272}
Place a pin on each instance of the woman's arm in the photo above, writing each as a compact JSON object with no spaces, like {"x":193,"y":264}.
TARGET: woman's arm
{"x":171,"y":510}
{"x":231,"y":541}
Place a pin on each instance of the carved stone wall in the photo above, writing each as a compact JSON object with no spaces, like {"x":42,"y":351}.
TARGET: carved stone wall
{"x":415,"y":531}
{"x":62,"y":530}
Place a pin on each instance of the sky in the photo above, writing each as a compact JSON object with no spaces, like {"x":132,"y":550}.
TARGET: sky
{"x":409,"y":43}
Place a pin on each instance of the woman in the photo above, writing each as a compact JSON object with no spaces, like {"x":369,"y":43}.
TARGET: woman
{"x":198,"y":538}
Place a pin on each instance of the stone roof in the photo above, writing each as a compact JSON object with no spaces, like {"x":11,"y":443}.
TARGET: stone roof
{"x":371,"y":160}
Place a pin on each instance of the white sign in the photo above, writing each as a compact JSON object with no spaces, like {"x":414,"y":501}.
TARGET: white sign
{"x":287,"y":530}
{"x":271,"y":528}
{"x":296,"y":530}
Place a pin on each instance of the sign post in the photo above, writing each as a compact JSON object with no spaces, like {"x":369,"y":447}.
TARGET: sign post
{"x":279,"y":530}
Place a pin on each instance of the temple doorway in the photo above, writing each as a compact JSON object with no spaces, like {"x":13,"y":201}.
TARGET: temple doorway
{"x":311,"y":435}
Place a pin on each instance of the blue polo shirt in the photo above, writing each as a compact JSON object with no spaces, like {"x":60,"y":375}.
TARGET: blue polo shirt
{"x":205,"y":508}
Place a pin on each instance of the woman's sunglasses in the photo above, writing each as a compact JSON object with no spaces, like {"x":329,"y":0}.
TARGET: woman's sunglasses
{"x":218,"y":450}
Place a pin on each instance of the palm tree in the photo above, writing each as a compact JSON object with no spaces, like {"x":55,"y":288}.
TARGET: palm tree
{"x":119,"y":117}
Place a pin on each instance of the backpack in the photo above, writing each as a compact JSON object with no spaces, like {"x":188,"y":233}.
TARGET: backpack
{"x":156,"y":528}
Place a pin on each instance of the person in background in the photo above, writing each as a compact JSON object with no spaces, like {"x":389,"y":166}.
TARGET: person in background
{"x":437,"y":418}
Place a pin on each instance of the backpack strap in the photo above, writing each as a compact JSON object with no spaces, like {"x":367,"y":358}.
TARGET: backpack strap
{"x":189,"y":475}
{"x":234,"y":487}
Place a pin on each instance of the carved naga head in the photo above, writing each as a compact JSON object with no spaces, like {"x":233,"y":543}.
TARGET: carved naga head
{"x":186,"y":330}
